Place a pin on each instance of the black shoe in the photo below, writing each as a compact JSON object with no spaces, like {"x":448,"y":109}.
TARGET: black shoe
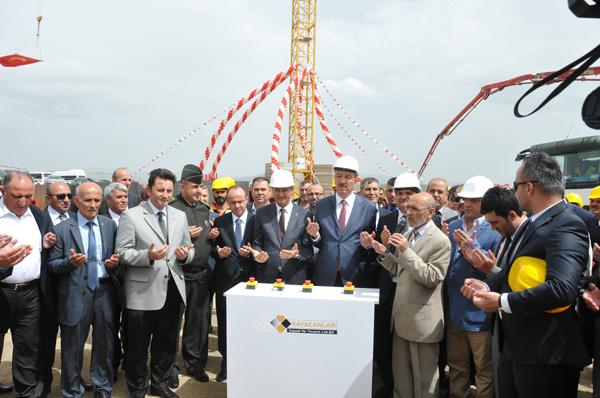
{"x":200,"y":376}
{"x":173,"y":381}
{"x":87,"y":386}
{"x":387,"y":391}
{"x":222,"y":376}
{"x":162,"y":392}
{"x":5,"y":388}
{"x":101,"y":394}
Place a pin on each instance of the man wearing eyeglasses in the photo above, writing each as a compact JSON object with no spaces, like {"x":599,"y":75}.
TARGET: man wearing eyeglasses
{"x":58,"y":196}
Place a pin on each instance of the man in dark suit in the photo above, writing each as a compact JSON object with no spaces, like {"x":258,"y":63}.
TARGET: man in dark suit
{"x":543,"y":349}
{"x":89,"y":290}
{"x":369,"y":189}
{"x":280,"y":232}
{"x":261,"y":194}
{"x":24,"y":286}
{"x":232,"y":253}
{"x":405,"y":185}
{"x":339,"y":220}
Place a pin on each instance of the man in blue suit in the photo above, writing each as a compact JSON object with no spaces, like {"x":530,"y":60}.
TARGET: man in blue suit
{"x":339,"y":220}
{"x":88,"y":292}
{"x":468,"y":328}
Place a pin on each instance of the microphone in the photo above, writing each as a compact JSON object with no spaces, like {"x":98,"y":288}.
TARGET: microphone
{"x":399,"y":228}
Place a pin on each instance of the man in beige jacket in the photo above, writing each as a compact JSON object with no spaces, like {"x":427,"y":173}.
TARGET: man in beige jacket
{"x":419,"y":258}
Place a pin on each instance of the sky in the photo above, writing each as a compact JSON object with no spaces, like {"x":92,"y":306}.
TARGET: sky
{"x":122,"y":81}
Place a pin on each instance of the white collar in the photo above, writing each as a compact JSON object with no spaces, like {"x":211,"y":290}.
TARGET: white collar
{"x":288,"y":208}
{"x":55,"y":213}
{"x":155,"y":210}
{"x":243,"y":217}
{"x":4,"y":211}
{"x":349,"y":200}
{"x":113,"y":215}
{"x":539,"y":213}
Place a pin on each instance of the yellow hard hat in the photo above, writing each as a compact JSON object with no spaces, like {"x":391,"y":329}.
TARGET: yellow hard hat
{"x":527,"y":272}
{"x":223,"y":183}
{"x":332,"y":183}
{"x":574,"y":198}
{"x":595,"y":194}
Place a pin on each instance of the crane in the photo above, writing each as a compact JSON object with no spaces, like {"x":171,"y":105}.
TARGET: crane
{"x":301,"y":105}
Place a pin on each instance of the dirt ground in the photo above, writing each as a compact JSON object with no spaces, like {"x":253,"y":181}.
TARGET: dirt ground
{"x":188,"y":387}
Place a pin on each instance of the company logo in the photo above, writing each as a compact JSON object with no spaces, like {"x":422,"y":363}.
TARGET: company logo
{"x":303,"y":326}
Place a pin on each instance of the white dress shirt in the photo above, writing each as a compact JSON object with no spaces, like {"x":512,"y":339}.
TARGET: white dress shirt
{"x":115,"y":217}
{"x":349,"y":205}
{"x":55,"y":215}
{"x":26,"y":231}
{"x":288,"y":213}
{"x":84,"y":230}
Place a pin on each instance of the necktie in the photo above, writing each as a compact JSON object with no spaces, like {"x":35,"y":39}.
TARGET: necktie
{"x":163,"y":225}
{"x":412,"y":237}
{"x":342,"y":219}
{"x":502,"y":257}
{"x":92,"y":266}
{"x":437,"y":219}
{"x":238,"y":233}
{"x":282,"y":223}
{"x":61,"y":217}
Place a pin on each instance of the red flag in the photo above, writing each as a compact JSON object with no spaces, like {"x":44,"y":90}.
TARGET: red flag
{"x":11,"y":61}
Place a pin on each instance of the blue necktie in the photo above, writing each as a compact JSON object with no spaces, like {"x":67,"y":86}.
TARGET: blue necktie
{"x":92,"y":266}
{"x":238,"y":232}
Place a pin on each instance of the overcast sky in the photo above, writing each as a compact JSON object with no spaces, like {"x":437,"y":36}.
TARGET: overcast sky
{"x":121,"y":81}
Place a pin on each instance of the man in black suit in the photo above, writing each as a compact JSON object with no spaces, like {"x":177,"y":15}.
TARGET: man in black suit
{"x":405,"y":185}
{"x":232,"y":253}
{"x":280,"y":233}
{"x":24,"y":286}
{"x":261,"y":194}
{"x":90,"y":290}
{"x":543,"y":350}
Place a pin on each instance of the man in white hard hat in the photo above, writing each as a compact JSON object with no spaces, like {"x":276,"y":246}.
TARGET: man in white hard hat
{"x":405,"y":185}
{"x":339,"y":220}
{"x":280,"y":231}
{"x":468,"y":328}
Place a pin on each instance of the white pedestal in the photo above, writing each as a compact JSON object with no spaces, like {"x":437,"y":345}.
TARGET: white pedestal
{"x":294,"y":344}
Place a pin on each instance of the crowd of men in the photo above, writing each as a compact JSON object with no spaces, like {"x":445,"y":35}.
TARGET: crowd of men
{"x":484,"y":288}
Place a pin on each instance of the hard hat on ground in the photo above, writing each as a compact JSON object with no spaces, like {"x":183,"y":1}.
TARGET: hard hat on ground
{"x":281,"y":179}
{"x":346,"y":163}
{"x":574,"y":198}
{"x":223,"y":183}
{"x":476,"y":187}
{"x":407,"y":180}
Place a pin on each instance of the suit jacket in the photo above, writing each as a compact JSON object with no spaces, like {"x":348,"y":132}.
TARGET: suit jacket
{"x":534,"y":336}
{"x":591,"y":223}
{"x":44,"y":287}
{"x":463,"y":313}
{"x":382,"y":279}
{"x":342,"y":248}
{"x":267,"y":238}
{"x":231,"y":270}
{"x":146,"y":282}
{"x":418,"y":313}
{"x":74,"y":298}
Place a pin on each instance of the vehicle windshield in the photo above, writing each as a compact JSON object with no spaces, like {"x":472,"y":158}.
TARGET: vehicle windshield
{"x":580,"y":170}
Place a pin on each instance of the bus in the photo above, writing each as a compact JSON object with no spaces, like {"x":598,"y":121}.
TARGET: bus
{"x":579,"y":161}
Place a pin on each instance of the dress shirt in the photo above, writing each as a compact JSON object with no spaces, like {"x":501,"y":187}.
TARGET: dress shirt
{"x":115,"y":217}
{"x":26,"y":231}
{"x":243,"y":217}
{"x":417,"y":235}
{"x":156,"y":210}
{"x":349,"y":205}
{"x":84,"y":230}
{"x":55,"y":215}
{"x":288,"y":213}
{"x":474,"y":227}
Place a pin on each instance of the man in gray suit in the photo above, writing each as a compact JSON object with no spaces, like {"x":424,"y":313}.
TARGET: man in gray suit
{"x":280,"y":232}
{"x":83,"y":259}
{"x":419,"y":260}
{"x":154,"y":242}
{"x":339,"y":220}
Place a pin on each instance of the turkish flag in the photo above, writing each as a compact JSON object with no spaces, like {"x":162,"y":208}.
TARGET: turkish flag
{"x":10,"y":61}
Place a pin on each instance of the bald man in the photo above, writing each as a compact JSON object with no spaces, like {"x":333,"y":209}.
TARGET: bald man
{"x":84,"y":260}
{"x":58,"y":197}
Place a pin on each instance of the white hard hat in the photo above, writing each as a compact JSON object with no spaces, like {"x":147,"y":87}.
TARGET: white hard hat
{"x":476,"y":187}
{"x":407,"y":180}
{"x":346,"y":162}
{"x":282,"y":179}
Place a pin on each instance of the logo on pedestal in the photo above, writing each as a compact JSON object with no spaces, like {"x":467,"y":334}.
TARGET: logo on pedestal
{"x":296,"y":326}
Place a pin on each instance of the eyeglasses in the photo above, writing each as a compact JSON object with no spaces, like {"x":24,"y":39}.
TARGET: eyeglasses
{"x":62,"y":196}
{"x":516,"y":185}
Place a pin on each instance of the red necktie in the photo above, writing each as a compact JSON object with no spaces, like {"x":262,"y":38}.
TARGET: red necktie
{"x":342,"y":219}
